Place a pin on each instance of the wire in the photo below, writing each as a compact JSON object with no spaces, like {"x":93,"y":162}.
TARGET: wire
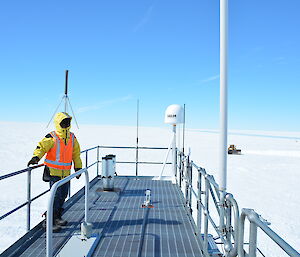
{"x":55,"y":111}
{"x":72,"y":111}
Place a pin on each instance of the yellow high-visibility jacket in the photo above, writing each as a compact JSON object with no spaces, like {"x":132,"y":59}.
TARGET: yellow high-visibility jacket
{"x":48,"y":142}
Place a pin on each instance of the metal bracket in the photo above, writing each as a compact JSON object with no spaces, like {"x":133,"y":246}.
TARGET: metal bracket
{"x":264,"y":220}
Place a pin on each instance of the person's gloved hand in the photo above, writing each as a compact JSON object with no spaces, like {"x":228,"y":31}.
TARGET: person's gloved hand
{"x":77,"y":169}
{"x":34,"y":160}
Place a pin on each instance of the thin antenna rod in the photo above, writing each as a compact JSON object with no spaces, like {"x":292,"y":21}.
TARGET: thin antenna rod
{"x":137,"y":138}
{"x":183,"y":133}
{"x":66,"y":91}
{"x":66,"y":85}
{"x":67,"y":102}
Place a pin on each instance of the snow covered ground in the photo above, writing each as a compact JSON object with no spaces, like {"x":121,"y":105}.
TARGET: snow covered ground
{"x":265,"y":177}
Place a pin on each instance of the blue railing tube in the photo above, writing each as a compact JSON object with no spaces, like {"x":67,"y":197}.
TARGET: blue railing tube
{"x":49,"y":220}
{"x":233,"y":251}
{"x":28,"y":198}
{"x":255,"y":221}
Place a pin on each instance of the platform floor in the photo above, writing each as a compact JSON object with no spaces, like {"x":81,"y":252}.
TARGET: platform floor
{"x":126,"y":229}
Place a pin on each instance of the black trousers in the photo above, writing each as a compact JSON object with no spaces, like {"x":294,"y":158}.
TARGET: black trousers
{"x":60,"y":196}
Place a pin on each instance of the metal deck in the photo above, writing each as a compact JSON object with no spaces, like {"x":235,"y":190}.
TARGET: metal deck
{"x":126,"y":229}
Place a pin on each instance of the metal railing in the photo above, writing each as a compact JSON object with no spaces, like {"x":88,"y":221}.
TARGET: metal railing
{"x":257,"y":221}
{"x":207,"y":195}
{"x":207,"y":192}
{"x":29,"y":199}
{"x":49,"y":219}
{"x":232,"y":237}
{"x":29,"y":171}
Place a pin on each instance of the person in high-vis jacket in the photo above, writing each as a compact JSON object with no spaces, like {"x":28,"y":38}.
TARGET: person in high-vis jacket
{"x":62,"y":148}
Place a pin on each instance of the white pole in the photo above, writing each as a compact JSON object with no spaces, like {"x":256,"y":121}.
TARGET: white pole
{"x":174,"y":151}
{"x":223,"y":93}
{"x":223,"y":109}
{"x":166,"y":158}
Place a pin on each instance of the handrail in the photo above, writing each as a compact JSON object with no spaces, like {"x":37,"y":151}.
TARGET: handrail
{"x":232,"y":251}
{"x":20,"y":172}
{"x":29,"y":169}
{"x":29,"y":200}
{"x":255,"y":221}
{"x":126,"y":147}
{"x":49,"y":219}
{"x":211,"y":189}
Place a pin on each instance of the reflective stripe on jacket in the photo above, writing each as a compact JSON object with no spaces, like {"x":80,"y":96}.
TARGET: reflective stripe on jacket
{"x":59,"y":157}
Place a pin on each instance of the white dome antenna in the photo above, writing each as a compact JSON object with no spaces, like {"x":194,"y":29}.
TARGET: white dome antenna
{"x":174,"y":114}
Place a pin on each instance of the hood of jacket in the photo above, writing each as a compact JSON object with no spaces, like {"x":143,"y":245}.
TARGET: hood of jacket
{"x":63,"y":133}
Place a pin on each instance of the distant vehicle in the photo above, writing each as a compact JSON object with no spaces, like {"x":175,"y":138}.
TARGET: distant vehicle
{"x":233,"y":150}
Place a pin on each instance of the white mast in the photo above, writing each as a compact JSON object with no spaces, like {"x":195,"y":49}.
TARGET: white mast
{"x":223,"y":105}
{"x":223,"y":93}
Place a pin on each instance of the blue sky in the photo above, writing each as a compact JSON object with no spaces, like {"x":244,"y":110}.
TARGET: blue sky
{"x":161,"y":52}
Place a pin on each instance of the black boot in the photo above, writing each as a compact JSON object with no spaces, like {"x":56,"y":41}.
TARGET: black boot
{"x":56,"y":227}
{"x":59,"y":220}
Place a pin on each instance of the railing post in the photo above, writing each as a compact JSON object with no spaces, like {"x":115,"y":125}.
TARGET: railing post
{"x":28,"y":198}
{"x":86,"y":202}
{"x":86,"y":159}
{"x":49,"y":217}
{"x":199,"y":207}
{"x":98,"y":161}
{"x":174,"y":152}
{"x":190,"y":185}
{"x":180,"y":169}
{"x":252,"y":239}
{"x":228,"y":224}
{"x":232,"y":249}
{"x":206,"y":212}
{"x":186,"y":179}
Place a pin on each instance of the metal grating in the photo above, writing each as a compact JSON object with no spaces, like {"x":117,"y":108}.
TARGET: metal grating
{"x":126,"y":228}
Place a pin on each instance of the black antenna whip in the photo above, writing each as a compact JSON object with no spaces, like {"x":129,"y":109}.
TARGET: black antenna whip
{"x":66,"y":85}
{"x":66,"y":91}
{"x":67,"y":101}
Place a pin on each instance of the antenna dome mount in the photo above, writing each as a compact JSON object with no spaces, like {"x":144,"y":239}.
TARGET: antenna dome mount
{"x":174,"y":114}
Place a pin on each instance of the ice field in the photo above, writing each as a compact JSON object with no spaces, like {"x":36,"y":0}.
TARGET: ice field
{"x":265,"y":177}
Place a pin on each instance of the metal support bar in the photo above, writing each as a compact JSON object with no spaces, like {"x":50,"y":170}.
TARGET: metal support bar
{"x":180,"y":169}
{"x":252,"y":240}
{"x":186,"y":180}
{"x":210,"y":178}
{"x":190,"y":181}
{"x":233,"y":250}
{"x":166,"y":158}
{"x":28,"y":198}
{"x":127,"y":147}
{"x":254,"y":218}
{"x":174,"y":153}
{"x":206,"y":213}
{"x":86,"y":159}
{"x":199,"y":212}
{"x":97,"y":160}
{"x":228,"y":226}
{"x":49,"y":219}
{"x":19,"y":172}
{"x":214,"y":199}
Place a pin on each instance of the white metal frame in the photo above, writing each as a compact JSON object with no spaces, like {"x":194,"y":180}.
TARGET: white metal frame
{"x":49,"y":218}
